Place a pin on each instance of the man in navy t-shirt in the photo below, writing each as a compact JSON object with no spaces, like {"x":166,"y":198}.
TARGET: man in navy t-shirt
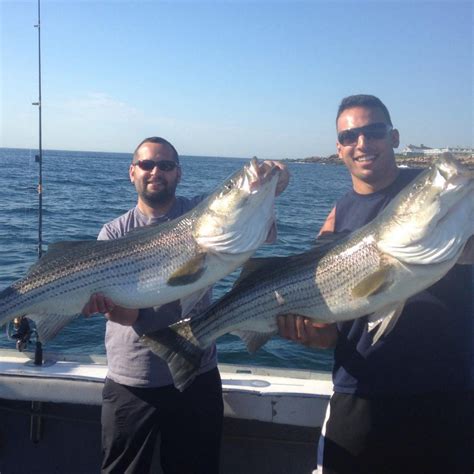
{"x":404,"y":404}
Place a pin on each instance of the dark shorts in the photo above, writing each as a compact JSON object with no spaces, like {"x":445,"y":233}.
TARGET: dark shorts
{"x":189,"y":423}
{"x":426,"y":434}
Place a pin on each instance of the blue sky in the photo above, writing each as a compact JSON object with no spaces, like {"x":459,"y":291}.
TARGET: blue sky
{"x":232,"y":78}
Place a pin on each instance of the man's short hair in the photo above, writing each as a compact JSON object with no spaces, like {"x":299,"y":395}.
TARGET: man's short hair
{"x":363,"y":100}
{"x":158,"y":140}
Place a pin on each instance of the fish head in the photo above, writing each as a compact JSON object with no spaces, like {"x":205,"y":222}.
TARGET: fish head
{"x":433,"y":217}
{"x":238,"y":216}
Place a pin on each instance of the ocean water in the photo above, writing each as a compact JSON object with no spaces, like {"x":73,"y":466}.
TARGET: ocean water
{"x":83,"y":190}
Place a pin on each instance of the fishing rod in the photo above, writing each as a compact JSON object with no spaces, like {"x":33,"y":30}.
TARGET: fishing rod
{"x":39,"y":156}
{"x":23,"y":331}
{"x":39,"y":159}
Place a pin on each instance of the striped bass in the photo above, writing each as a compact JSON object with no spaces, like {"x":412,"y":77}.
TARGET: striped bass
{"x":408,"y":247}
{"x":152,"y":265}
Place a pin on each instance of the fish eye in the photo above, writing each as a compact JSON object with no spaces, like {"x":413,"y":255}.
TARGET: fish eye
{"x":228,"y":187}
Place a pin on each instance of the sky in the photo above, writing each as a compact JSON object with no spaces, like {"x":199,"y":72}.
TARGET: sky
{"x":232,"y":78}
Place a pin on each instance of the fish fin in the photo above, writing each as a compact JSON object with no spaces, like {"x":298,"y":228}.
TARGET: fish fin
{"x":7,"y":317}
{"x":189,"y":302}
{"x":385,"y":319}
{"x":190,"y":272}
{"x":178,"y":347}
{"x":253,"y":265}
{"x":49,"y":325}
{"x":254,"y":340}
{"x":371,"y":284}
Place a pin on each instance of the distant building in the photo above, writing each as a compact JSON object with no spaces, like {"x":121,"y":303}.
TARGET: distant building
{"x":414,"y":150}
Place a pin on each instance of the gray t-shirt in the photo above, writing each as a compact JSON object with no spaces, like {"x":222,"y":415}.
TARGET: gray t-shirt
{"x":130,"y":362}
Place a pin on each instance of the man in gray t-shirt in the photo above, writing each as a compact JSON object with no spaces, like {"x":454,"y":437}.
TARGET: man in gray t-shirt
{"x":129,"y":361}
{"x":139,"y":398}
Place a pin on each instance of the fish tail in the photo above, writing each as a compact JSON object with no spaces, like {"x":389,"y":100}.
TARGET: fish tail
{"x":180,"y":349}
{"x":5,"y":310}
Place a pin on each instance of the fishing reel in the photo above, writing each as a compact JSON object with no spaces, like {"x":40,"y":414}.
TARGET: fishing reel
{"x":20,"y":331}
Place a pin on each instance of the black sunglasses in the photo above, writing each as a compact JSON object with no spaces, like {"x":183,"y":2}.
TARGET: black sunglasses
{"x":373,"y":131}
{"x":163,"y":165}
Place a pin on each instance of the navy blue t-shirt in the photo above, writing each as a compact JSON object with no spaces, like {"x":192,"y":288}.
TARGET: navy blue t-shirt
{"x":431,"y":346}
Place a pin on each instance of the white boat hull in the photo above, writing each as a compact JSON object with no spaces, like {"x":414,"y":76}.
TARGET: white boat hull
{"x":272,"y":416}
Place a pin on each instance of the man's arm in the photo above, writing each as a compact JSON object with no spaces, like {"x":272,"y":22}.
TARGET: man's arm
{"x":304,"y":330}
{"x":307,"y":332}
{"x":329,"y":223}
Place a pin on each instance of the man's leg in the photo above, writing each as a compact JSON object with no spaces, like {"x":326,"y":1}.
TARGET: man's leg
{"x":343,"y":436}
{"x":391,"y":435}
{"x":129,"y":429}
{"x":192,"y":433}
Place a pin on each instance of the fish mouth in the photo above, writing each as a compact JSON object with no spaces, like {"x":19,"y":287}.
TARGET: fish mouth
{"x":258,"y":175}
{"x":451,"y":175}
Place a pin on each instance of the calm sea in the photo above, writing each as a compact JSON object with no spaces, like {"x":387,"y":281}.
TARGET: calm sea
{"x":83,"y":190}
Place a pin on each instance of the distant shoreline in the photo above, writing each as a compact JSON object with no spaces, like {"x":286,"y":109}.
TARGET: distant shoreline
{"x":421,"y":161}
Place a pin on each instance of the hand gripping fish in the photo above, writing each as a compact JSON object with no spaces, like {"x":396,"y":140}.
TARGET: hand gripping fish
{"x":409,"y":246}
{"x":152,"y":265}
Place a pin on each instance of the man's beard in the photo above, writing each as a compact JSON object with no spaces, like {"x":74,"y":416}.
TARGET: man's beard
{"x":158,"y":197}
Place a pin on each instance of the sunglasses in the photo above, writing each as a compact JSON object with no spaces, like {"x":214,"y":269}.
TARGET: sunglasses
{"x":374,"y":131}
{"x":163,"y":165}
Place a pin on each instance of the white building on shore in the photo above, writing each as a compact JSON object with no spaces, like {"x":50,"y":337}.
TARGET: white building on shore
{"x":414,"y":150}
